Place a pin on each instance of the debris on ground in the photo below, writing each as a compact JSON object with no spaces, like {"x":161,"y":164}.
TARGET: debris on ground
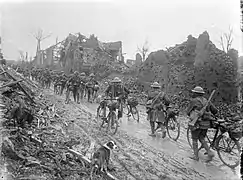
{"x":35,"y":144}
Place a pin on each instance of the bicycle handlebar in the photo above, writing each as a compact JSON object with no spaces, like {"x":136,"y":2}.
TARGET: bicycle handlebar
{"x":110,"y":99}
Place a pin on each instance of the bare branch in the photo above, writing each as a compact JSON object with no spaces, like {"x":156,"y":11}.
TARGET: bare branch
{"x":144,"y":50}
{"x":21,"y":55}
{"x":47,"y":36}
{"x":226,"y":40}
{"x":222,"y":42}
{"x":39,"y":36}
{"x":139,"y":49}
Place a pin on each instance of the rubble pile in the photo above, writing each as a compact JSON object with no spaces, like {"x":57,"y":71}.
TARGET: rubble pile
{"x":196,"y":61}
{"x":34,"y":144}
{"x":214,"y":69}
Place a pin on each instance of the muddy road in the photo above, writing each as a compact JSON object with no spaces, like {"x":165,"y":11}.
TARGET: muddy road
{"x":141,"y":156}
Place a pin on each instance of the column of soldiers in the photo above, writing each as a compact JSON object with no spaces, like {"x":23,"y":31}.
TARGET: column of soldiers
{"x":78,"y":84}
{"x":157,"y":103}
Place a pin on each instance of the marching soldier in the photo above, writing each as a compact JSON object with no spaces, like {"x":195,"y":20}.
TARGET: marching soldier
{"x":157,"y":103}
{"x":199,"y":130}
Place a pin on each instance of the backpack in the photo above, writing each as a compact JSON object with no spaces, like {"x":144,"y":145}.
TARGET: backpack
{"x":204,"y":122}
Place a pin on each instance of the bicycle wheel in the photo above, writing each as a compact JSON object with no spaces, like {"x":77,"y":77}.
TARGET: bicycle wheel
{"x":125,"y":109}
{"x":135,"y":113}
{"x":173,"y":128}
{"x":59,"y":90}
{"x":112,"y":127}
{"x":229,"y":145}
{"x":189,"y":136}
{"x":99,"y":116}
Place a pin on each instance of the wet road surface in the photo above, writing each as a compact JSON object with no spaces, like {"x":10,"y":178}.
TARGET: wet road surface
{"x":180,"y":149}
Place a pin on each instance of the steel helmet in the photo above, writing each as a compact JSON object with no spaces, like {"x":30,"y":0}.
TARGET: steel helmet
{"x":83,"y":74}
{"x":155,"y":85}
{"x":116,"y":80}
{"x":198,"y":89}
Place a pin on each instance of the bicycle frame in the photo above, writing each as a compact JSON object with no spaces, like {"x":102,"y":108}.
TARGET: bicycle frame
{"x":111,"y":109}
{"x":155,"y":115}
{"x":219,"y":131}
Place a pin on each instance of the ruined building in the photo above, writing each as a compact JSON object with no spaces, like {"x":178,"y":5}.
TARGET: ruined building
{"x":80,"y":53}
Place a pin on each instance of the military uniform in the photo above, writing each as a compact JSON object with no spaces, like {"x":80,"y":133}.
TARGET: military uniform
{"x":95,"y":90}
{"x":82,"y":85}
{"x":117,"y":90}
{"x":63,"y":80}
{"x":48,"y":78}
{"x":74,"y":84}
{"x":55,"y":81}
{"x":157,"y":103}
{"x":90,"y":86}
{"x":199,"y":131}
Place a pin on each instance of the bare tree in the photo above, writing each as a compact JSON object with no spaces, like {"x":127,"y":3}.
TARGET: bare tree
{"x":39,"y":36}
{"x":21,"y":55}
{"x":30,"y":58}
{"x":226,"y":40}
{"x":26,"y":56}
{"x":144,"y":50}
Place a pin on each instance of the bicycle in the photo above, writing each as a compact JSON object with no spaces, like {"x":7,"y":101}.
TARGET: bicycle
{"x":171,"y":123}
{"x":131,"y":107}
{"x":220,"y":126}
{"x":111,"y":118}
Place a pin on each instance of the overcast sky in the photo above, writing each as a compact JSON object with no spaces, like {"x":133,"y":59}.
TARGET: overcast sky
{"x":163,"y":23}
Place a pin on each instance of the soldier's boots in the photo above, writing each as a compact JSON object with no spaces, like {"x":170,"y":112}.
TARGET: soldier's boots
{"x":162,"y":127}
{"x":67,"y":97}
{"x":113,"y":122}
{"x":163,"y":131}
{"x":210,"y":153}
{"x":89,"y":97}
{"x":195,"y":150}
{"x":152,"y":125}
{"x":77,"y":96}
{"x":62,"y":89}
{"x":119,"y":117}
{"x":158,"y":126}
{"x":119,"y":114}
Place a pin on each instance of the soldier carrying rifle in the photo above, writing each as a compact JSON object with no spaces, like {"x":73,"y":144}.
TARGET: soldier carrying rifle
{"x":201,"y":111}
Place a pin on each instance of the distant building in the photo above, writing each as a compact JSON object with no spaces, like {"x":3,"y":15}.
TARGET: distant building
{"x":77,"y":48}
{"x":130,"y":62}
{"x":115,"y":49}
{"x":139,"y":59}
